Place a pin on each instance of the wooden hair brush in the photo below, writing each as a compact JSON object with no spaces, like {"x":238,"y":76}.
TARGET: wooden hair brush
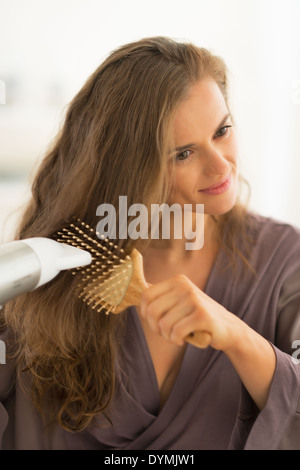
{"x":114,"y":280}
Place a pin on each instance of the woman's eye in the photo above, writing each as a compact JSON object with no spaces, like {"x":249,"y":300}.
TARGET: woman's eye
{"x":183,"y":155}
{"x":223,"y":131}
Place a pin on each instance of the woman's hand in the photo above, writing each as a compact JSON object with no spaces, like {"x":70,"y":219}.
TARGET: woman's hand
{"x":175,"y":308}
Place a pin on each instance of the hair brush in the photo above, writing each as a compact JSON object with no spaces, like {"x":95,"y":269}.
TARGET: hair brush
{"x":114,"y":280}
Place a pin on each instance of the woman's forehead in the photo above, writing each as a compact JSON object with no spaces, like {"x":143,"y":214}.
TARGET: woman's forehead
{"x":204,"y":108}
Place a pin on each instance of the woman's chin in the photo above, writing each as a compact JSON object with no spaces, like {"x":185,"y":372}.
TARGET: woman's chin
{"x":220,"y":207}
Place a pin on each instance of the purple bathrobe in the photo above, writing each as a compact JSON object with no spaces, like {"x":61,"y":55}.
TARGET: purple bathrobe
{"x":208,"y":407}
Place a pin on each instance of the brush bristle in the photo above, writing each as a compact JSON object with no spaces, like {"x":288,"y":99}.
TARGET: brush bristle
{"x":104,"y":282}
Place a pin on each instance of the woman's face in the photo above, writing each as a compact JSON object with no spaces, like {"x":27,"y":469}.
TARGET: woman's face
{"x":205,"y":152}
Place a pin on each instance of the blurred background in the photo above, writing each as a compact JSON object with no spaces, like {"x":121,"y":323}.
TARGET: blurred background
{"x":48,"y":48}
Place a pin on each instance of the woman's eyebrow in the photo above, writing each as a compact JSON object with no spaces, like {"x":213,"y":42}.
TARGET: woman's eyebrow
{"x":180,"y":149}
{"x":223,"y":121}
{"x":184,"y":147}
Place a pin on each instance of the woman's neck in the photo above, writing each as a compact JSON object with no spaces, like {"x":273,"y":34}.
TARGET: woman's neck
{"x":177,"y":248}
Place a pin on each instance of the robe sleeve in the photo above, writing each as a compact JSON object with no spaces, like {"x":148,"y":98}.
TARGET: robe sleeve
{"x":277,"y":425}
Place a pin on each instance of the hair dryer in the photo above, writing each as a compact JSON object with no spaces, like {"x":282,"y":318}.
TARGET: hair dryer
{"x":30,"y":263}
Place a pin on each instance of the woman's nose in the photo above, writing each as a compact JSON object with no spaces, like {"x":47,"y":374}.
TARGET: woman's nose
{"x":215,"y":162}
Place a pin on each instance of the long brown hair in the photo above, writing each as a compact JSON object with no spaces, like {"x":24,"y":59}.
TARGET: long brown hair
{"x":113,"y":142}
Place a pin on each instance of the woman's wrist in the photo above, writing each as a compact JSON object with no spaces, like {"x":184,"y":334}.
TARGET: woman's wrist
{"x":239,"y":338}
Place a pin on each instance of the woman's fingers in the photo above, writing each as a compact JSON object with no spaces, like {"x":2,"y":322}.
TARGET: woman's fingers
{"x":172,"y":308}
{"x":160,"y":297}
{"x":156,"y":290}
{"x":157,"y":311}
{"x":171,"y":323}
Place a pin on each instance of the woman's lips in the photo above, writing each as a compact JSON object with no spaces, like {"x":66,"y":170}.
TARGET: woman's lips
{"x":218,"y":188}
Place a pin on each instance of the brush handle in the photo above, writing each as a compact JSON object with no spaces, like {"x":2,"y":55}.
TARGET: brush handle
{"x":138,"y":284}
{"x":200,"y":339}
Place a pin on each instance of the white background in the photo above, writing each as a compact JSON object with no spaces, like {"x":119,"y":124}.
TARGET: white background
{"x":48,"y":48}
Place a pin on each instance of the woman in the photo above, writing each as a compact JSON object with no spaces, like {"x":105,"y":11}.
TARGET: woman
{"x":153,"y":123}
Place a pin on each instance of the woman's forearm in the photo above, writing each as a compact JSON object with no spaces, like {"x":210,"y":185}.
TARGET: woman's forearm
{"x":254,"y":360}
